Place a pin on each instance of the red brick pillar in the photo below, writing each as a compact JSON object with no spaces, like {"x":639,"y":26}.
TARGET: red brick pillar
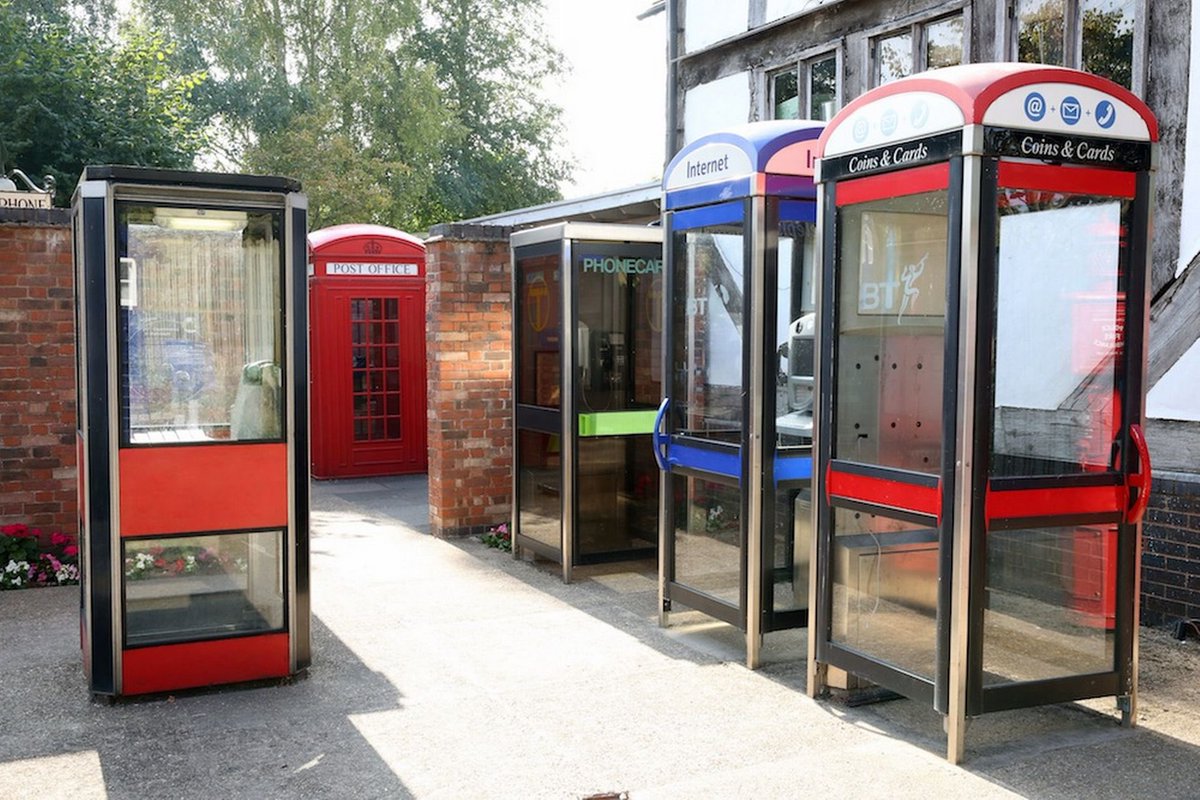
{"x":469,"y":343}
{"x":37,"y":370}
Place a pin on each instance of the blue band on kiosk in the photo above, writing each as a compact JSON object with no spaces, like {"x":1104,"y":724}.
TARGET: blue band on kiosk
{"x":714,"y":461}
{"x":798,"y":210}
{"x":721,"y":214}
{"x":711,"y":193}
{"x":795,"y":468}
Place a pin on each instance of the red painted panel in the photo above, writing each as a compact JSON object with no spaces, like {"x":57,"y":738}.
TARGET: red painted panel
{"x":203,"y":488}
{"x":928,"y":178}
{"x":187,"y":666}
{"x":1055,"y":502}
{"x":884,"y":492}
{"x":1076,"y":180}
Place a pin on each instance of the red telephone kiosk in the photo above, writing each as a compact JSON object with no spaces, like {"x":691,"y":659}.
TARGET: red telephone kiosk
{"x":368,"y":352}
{"x":191,"y":317}
{"x":980,"y":468}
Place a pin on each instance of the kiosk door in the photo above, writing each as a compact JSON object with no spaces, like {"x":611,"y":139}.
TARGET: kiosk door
{"x":884,"y":483}
{"x":1058,"y":432}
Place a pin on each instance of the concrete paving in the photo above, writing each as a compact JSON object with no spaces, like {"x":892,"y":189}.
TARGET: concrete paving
{"x":445,"y":669}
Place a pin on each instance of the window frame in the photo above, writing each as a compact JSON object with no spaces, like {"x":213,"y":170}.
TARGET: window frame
{"x":1007,"y":33}
{"x":917,"y":28}
{"x":802,"y":66}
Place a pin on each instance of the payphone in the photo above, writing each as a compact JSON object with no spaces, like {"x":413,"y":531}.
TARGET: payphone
{"x":980,"y":469}
{"x":733,"y":434}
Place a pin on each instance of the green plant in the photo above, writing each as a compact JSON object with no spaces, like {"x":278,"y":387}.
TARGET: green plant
{"x":498,"y":537}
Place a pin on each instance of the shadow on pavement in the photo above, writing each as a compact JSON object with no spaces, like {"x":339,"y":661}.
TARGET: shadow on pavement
{"x":293,"y":739}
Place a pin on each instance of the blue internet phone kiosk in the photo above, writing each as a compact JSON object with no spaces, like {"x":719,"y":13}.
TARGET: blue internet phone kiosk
{"x":980,"y":467}
{"x":734,"y":431}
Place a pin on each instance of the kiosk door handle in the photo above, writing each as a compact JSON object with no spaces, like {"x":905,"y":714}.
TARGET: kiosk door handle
{"x":1139,"y":480}
{"x":661,"y":440}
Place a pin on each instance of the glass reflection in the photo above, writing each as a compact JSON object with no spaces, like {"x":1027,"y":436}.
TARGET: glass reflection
{"x":1108,"y":39}
{"x":1059,"y":349}
{"x":708,"y":537}
{"x":1051,"y":603}
{"x":539,"y":482}
{"x":707,"y":393}
{"x":1041,"y":26}
{"x":885,"y":578}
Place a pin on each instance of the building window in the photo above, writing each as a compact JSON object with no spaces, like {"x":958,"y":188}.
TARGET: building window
{"x":922,"y":46}
{"x":808,"y":90}
{"x":1093,"y":35}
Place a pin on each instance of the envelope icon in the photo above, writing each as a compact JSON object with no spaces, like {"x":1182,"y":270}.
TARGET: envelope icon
{"x":1071,"y":110}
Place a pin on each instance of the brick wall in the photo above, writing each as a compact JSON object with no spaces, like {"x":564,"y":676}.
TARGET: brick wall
{"x":37,"y":370}
{"x":469,"y":340}
{"x":1171,"y":550}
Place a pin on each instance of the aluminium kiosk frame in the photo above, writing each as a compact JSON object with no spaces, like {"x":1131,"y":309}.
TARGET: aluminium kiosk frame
{"x":584,"y":488}
{"x":734,"y":542}
{"x":192,"y":375}
{"x":980,"y":467}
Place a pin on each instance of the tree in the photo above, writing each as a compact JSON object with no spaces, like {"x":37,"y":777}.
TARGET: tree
{"x":363,"y":102}
{"x":490,"y":57}
{"x":73,"y":100}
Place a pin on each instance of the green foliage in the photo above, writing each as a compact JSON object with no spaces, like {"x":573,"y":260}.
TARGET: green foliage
{"x":73,"y":99}
{"x":406,"y":113}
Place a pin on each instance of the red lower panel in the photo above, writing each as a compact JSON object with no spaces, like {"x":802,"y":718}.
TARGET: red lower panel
{"x":194,"y":664}
{"x":221,"y":487}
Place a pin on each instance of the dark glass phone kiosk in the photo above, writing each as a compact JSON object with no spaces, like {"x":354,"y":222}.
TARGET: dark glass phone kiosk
{"x":193,"y":428}
{"x":734,"y":431}
{"x":587,"y":322}
{"x":981,"y":470}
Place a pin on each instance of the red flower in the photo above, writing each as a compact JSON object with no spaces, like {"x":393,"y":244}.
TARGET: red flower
{"x":58,"y":539}
{"x":71,"y":550}
{"x":178,"y":565}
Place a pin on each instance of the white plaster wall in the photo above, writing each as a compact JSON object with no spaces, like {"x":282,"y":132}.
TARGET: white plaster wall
{"x":777,"y":9}
{"x":714,"y":106}
{"x":1189,"y":224}
{"x":1174,"y":396}
{"x":710,"y":21}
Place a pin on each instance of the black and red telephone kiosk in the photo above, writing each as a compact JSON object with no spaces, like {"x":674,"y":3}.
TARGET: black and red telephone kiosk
{"x":368,"y":352}
{"x":980,"y":468}
{"x":191,"y":317}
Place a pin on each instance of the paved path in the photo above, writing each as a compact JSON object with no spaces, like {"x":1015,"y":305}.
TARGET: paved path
{"x":448,"y":670}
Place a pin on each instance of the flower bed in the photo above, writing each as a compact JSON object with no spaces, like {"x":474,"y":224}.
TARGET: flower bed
{"x":28,"y":560}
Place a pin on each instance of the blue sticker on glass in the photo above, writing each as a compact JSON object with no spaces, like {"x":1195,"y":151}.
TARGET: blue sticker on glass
{"x":1035,"y":106}
{"x":1106,"y":114}
{"x":1071,"y":110}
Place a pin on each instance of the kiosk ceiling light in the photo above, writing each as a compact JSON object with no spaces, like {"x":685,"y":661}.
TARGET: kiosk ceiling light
{"x":199,"y":219}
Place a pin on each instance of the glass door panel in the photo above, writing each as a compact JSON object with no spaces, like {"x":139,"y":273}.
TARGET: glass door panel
{"x":708,"y":537}
{"x":707,"y":380}
{"x":887,"y":436}
{"x":1056,"y":494}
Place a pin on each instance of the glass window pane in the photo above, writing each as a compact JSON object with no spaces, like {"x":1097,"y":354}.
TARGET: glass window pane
{"x":200,"y":346}
{"x":1051,"y":603}
{"x":707,"y":393}
{"x":539,"y":484}
{"x":183,"y":588}
{"x":614,"y":283}
{"x":1058,"y":349}
{"x":1041,"y":26}
{"x":1108,"y":39}
{"x":795,"y":326}
{"x":885,"y":579}
{"x":822,"y":88}
{"x":791,"y":548}
{"x":708,"y":536}
{"x":891,"y":321}
{"x":894,"y":57}
{"x":785,"y":95}
{"x":944,"y":42}
{"x":617,"y":495}
{"x":539,"y":296}
{"x":392,"y":308}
